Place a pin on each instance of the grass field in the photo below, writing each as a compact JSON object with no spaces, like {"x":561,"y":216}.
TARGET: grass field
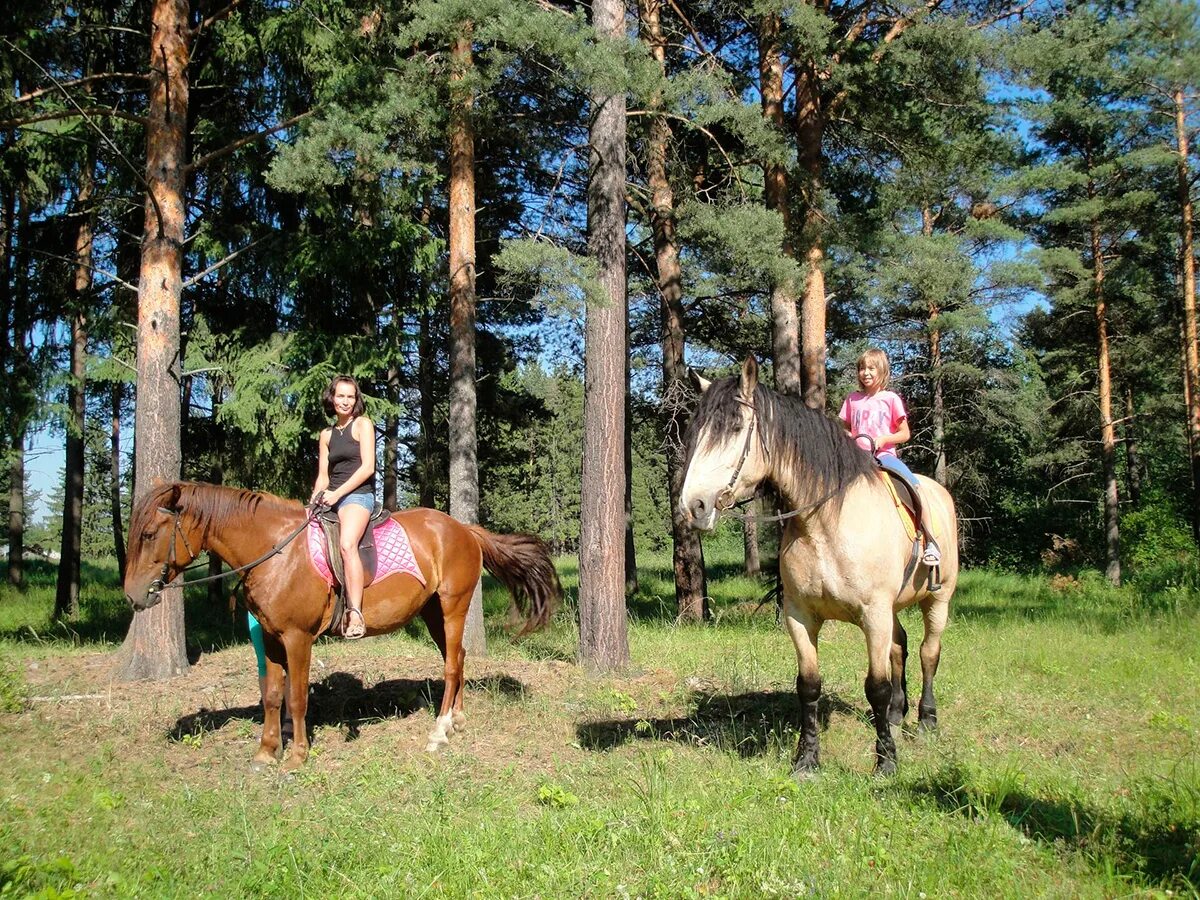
{"x":1066,"y":764}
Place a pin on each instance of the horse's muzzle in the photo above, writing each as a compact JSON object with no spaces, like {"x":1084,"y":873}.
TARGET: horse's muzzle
{"x":152,"y":596}
{"x":699,"y":513}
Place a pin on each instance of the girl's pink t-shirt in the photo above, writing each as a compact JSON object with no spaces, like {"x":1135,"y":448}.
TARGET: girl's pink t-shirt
{"x":874,"y":415}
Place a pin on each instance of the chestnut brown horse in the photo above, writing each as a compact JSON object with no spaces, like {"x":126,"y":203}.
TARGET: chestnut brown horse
{"x":174,"y":522}
{"x":845,"y":553}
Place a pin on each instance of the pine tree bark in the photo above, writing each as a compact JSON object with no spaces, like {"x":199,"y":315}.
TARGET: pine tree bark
{"x":426,"y":385}
{"x":1133,"y":462}
{"x":631,"y":576}
{"x":114,"y":484}
{"x":391,"y":442}
{"x":155,"y":646}
{"x":603,"y":628}
{"x":20,"y":403}
{"x":810,"y":135}
{"x":66,"y":599}
{"x":464,"y":460}
{"x":938,"y":412}
{"x":785,"y":330}
{"x":752,"y":557}
{"x":691,"y":589}
{"x":1108,"y":446}
{"x":1187,"y":278}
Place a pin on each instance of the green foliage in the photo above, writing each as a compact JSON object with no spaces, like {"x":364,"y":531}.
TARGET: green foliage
{"x":14,"y":692}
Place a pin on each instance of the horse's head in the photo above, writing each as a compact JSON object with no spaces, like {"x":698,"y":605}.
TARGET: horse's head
{"x":726,"y":451}
{"x":158,"y":548}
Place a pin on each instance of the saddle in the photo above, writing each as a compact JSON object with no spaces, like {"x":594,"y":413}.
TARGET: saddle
{"x":332,"y":529}
{"x":909,"y":506}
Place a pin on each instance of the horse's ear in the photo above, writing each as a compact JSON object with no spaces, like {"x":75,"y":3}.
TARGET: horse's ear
{"x":701,"y":383}
{"x":173,"y":497}
{"x":749,"y":378}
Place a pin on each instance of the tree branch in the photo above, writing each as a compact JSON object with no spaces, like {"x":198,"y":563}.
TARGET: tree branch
{"x":203,"y":161}
{"x":228,"y":259}
{"x":88,"y":79}
{"x":78,"y":112}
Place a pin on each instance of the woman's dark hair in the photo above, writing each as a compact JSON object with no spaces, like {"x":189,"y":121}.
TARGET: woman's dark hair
{"x":327,"y":398}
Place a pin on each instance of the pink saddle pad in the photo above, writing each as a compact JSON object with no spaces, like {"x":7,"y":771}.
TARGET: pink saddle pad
{"x":393,"y":552}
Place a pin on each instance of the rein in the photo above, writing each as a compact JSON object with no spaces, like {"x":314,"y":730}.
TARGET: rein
{"x":158,"y":585}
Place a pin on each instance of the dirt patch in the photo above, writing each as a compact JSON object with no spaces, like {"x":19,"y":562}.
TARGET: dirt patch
{"x":362,"y":699}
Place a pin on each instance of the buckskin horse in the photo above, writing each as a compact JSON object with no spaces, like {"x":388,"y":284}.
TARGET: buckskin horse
{"x":845,"y":553}
{"x":254,"y":530}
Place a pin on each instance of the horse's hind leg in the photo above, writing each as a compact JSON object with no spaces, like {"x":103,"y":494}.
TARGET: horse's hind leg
{"x":899,"y":706}
{"x":804,"y":630}
{"x":878,"y":687}
{"x":446,"y":629}
{"x":935,"y":612}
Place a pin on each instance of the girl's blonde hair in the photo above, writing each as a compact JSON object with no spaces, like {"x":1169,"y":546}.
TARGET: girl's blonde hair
{"x":879,"y":359}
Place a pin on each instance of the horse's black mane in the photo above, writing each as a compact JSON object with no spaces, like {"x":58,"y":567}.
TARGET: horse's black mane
{"x":809,"y":443}
{"x":207,"y":503}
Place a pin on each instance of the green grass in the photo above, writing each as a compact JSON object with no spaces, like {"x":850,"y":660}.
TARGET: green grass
{"x":1066,"y":764}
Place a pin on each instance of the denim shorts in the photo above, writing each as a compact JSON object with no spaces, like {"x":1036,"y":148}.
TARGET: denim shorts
{"x":365,"y":499}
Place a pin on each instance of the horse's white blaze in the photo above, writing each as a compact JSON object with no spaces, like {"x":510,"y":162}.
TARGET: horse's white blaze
{"x":707,"y":476}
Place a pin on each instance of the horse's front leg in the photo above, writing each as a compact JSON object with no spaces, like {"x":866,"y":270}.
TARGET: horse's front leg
{"x":299,"y":655}
{"x":272,"y":700}
{"x":804,"y":629}
{"x":877,"y":627}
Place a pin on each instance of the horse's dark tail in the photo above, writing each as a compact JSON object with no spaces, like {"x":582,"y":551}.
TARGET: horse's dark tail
{"x":522,"y":563}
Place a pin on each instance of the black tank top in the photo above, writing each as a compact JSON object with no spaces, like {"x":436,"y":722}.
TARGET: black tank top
{"x":345,"y":456}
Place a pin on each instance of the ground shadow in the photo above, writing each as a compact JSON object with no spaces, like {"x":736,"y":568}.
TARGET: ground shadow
{"x":1153,"y":843}
{"x":750,"y":723}
{"x":341,"y":700}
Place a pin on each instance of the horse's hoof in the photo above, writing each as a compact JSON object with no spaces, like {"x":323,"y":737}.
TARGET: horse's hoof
{"x":885,"y":767}
{"x":928,"y":725}
{"x":292,"y":763}
{"x":897,"y":731}
{"x":435,"y":745}
{"x":803,"y":775}
{"x":460,"y":721}
{"x":258,"y":764}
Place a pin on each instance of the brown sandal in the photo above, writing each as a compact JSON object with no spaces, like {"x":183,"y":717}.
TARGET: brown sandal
{"x":353,"y":633}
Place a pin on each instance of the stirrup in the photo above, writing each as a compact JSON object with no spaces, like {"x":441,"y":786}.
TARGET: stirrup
{"x":932,"y":556}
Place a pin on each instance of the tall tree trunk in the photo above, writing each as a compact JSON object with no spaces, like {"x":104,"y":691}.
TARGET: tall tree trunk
{"x":391,"y":441}
{"x":631,"y":576}
{"x":114,"y":485}
{"x":1187,"y":277}
{"x":155,"y":646}
{"x":691,"y":589}
{"x":426,"y":387}
{"x":464,"y":462}
{"x":810,"y":134}
{"x":785,"y":330}
{"x":1108,"y":446}
{"x":603,"y":628}
{"x":753,"y":561}
{"x":938,"y":412}
{"x":66,"y":599}
{"x":20,"y":401}
{"x":1133,"y":460}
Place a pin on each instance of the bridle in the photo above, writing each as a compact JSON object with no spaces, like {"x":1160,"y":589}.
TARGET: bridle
{"x":725,"y":501}
{"x":725,"y":504}
{"x":159,"y":584}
